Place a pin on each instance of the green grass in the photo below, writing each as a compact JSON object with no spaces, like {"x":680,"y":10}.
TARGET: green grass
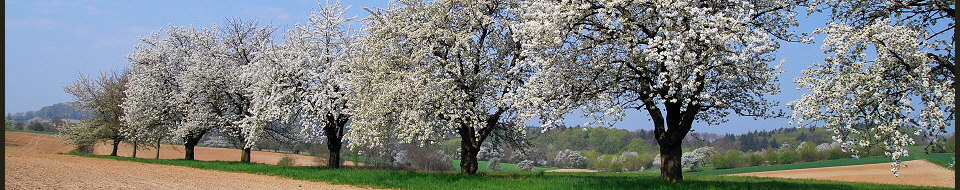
{"x":10,"y":128}
{"x":942,"y":159}
{"x":507,"y":167}
{"x":508,"y":180}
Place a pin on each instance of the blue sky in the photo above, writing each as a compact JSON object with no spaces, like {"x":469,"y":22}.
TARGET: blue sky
{"x":49,"y":42}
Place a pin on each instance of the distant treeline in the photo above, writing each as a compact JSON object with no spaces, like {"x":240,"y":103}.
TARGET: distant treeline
{"x":62,"y":110}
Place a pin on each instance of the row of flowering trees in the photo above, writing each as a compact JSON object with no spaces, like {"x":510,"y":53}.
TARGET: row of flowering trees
{"x":418,"y":71}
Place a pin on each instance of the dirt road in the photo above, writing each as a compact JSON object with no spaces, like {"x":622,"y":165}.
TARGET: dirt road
{"x":919,"y":172}
{"x":32,"y":163}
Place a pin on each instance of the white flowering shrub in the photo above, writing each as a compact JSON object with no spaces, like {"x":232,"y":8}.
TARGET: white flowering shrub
{"x":570,"y":159}
{"x":487,"y":153}
{"x":526,"y":166}
{"x":494,"y":164}
{"x":824,"y":147}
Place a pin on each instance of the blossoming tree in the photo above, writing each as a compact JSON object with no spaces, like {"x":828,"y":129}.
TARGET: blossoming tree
{"x":434,"y":68}
{"x":890,"y":71}
{"x":679,"y":61}
{"x":103,"y":95}
{"x":305,"y":77}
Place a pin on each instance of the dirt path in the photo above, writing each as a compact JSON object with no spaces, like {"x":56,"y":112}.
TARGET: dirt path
{"x":571,"y":170}
{"x":919,"y":172}
{"x":31,"y":163}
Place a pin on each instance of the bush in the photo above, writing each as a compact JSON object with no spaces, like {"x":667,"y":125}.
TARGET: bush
{"x":771,"y":156}
{"x":429,"y":158}
{"x":36,"y":126}
{"x":756,"y":159}
{"x":788,"y":157}
{"x":807,"y":152}
{"x":637,"y":163}
{"x":733,"y":159}
{"x":526,"y":166}
{"x":286,"y":161}
{"x":494,"y":164}
{"x":718,"y":162}
{"x":570,"y":159}
{"x":84,"y":149}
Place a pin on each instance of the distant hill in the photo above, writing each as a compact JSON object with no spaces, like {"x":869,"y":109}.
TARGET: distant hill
{"x":62,"y":110}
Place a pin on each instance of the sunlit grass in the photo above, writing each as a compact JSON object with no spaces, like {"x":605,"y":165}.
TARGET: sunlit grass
{"x":507,"y":180}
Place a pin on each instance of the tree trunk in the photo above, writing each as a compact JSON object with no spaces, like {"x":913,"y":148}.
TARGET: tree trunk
{"x":116,"y":144}
{"x":334,"y":160}
{"x":189,"y":147}
{"x":334,"y":132}
{"x":134,"y":155}
{"x":671,"y":169}
{"x":468,"y":157}
{"x":158,"y":149}
{"x":245,"y":155}
{"x":670,"y":140}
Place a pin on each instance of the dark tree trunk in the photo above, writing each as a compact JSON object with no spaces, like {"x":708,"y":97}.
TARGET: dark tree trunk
{"x":245,"y":155}
{"x":956,"y":72}
{"x":116,"y":144}
{"x":134,"y":155}
{"x":158,"y":149}
{"x":334,"y":132}
{"x":468,"y":156}
{"x":334,"y":160}
{"x":471,"y":140}
{"x":192,"y":141}
{"x":670,"y":158}
{"x":679,"y":122}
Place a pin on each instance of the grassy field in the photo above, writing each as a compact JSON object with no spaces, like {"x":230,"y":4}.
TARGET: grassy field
{"x":942,"y":159}
{"x":508,"y":180}
{"x":507,"y":167}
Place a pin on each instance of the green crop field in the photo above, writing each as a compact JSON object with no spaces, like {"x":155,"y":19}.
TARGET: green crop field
{"x":508,"y":180}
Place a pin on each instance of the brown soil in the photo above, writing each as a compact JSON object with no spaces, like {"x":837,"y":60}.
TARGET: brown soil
{"x":919,"y":173}
{"x":32,"y":163}
{"x":168,"y":151}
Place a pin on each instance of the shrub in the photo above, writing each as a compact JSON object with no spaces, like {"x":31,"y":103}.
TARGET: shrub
{"x":634,"y":162}
{"x":771,"y":156}
{"x":287,"y":160}
{"x":84,"y":149}
{"x":718,"y":162}
{"x":526,"y":166}
{"x":756,"y":159}
{"x":807,"y":152}
{"x":494,"y":164}
{"x":429,"y":158}
{"x":788,"y":157}
{"x":733,"y":159}
{"x":36,"y":126}
{"x":570,"y":159}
